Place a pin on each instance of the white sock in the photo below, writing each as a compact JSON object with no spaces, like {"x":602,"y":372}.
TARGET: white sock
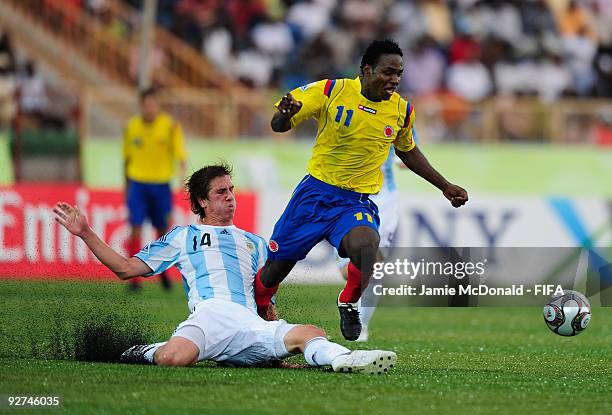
{"x":366,"y":313}
{"x":150,"y":354}
{"x":319,"y":351}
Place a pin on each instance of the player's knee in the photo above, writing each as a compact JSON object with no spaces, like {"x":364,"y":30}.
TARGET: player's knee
{"x":318,"y":332}
{"x":296,"y":339}
{"x":274,"y":271}
{"x":358,"y":243}
{"x":267,"y":277}
{"x":310,"y":332}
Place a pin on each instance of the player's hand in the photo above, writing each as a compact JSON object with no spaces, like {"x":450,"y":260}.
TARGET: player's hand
{"x":71,"y":218}
{"x":456,"y":194}
{"x":288,"y":106}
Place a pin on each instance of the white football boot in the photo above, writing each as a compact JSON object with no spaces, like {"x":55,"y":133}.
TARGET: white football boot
{"x":365,"y":361}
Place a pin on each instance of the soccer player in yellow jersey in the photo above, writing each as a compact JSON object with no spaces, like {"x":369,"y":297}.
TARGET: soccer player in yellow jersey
{"x":359,"y":119}
{"x":152,"y":145}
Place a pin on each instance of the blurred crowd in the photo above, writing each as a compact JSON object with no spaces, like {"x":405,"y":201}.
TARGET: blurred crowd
{"x":471,"y":48}
{"x":456,"y":51}
{"x":23,"y":90}
{"x":26,"y":95}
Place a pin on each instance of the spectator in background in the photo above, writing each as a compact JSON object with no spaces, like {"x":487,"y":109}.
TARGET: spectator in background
{"x":312,"y":60}
{"x":243,"y":15}
{"x":192,"y":17}
{"x":544,"y":75}
{"x":514,"y":77}
{"x":470,"y":19}
{"x":33,"y":99}
{"x":342,"y":46}
{"x":310,"y":17}
{"x":111,"y":24}
{"x":424,"y":68}
{"x":502,"y":20}
{"x":165,"y":13}
{"x":398,"y":14}
{"x":469,"y":78}
{"x":152,"y":145}
{"x":362,"y":18}
{"x":495,"y":50}
{"x":273,"y":37}
{"x":462,"y":47}
{"x":553,"y":78}
{"x":7,"y":81}
{"x":438,"y":21}
{"x":603,"y":68}
{"x":580,"y":50}
{"x":602,"y":12}
{"x":538,"y":20}
{"x":579,"y":37}
{"x":252,"y":67}
{"x":576,"y":20}
{"x":267,"y":35}
{"x":217,"y":45}
{"x":7,"y":54}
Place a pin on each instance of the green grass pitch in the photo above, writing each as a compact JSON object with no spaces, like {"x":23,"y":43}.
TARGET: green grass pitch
{"x":468,"y":360}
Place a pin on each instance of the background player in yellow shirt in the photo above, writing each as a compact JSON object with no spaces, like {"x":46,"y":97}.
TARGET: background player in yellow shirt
{"x":359,"y":119}
{"x":152,"y":145}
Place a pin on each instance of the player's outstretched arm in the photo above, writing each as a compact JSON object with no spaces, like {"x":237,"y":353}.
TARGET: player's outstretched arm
{"x":417,"y":162}
{"x":288,"y":107}
{"x":71,"y":218}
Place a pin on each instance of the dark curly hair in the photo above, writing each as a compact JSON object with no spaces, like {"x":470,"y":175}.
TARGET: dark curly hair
{"x":378,"y":48}
{"x":198,"y":184}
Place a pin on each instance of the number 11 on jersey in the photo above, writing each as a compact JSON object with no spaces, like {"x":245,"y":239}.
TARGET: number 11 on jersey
{"x":359,"y":216}
{"x":349,"y":115}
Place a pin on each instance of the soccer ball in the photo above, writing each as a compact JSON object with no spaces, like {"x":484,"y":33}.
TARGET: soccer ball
{"x":567,"y":314}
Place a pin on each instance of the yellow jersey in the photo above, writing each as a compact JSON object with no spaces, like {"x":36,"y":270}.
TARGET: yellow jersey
{"x":151,"y":150}
{"x":354,"y":134}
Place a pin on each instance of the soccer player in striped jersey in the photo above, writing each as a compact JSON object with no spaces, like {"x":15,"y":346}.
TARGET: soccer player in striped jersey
{"x":218,"y":262}
{"x":359,"y":119}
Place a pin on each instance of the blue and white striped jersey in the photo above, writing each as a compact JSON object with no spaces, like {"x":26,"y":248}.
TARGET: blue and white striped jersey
{"x":387,"y":171}
{"x":215,"y":261}
{"x":387,"y":168}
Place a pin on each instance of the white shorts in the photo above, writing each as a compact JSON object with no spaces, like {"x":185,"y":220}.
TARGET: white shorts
{"x":387,"y":203}
{"x":230,"y":333}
